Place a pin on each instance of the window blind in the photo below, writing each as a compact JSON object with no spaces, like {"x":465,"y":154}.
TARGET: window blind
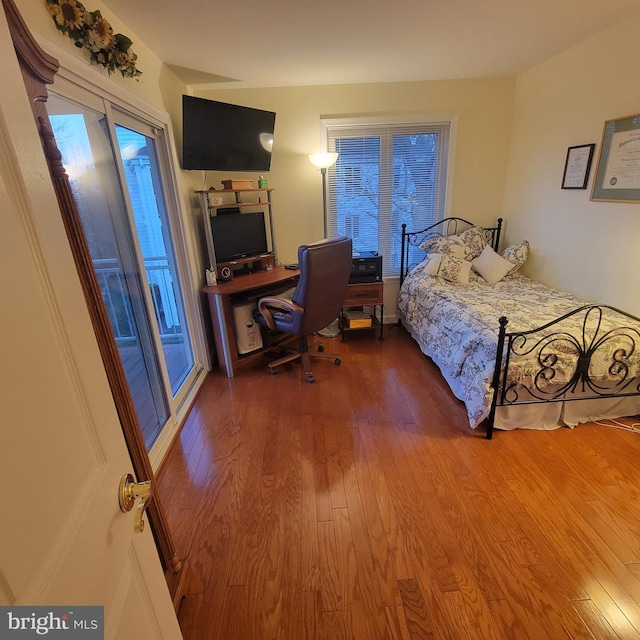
{"x":386,"y":175}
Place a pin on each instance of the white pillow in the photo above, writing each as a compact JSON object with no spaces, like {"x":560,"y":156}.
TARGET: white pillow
{"x":432,"y":264}
{"x":455,"y":269}
{"x":491,"y":266}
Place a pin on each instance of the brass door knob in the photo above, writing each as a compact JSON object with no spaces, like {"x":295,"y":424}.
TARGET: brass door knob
{"x":128,"y":493}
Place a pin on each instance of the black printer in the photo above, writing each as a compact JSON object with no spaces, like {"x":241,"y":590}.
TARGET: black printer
{"x":366,"y":266}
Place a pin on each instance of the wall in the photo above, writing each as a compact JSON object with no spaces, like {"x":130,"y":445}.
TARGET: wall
{"x":589,"y":248}
{"x":483,"y":109}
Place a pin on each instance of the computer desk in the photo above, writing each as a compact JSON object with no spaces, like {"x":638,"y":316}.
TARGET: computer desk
{"x":258,"y":283}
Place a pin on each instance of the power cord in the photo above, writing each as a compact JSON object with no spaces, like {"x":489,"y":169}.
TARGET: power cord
{"x":616,"y":424}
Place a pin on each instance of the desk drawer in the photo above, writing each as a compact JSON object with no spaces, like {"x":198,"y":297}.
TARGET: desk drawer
{"x":368,"y":293}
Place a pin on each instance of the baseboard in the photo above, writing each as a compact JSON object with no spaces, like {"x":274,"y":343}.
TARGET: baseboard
{"x":177,"y":583}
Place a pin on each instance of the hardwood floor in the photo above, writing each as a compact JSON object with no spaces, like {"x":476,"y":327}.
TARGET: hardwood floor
{"x":363,"y":506}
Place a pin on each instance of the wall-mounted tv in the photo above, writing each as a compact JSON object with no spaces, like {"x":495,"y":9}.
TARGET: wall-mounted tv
{"x":218,"y":136}
{"x":238,"y":235}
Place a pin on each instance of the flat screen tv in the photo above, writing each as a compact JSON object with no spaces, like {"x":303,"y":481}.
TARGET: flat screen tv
{"x":238,"y":235}
{"x":217,"y":136}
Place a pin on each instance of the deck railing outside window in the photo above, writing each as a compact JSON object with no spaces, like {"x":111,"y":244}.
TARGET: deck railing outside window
{"x":110,"y":277}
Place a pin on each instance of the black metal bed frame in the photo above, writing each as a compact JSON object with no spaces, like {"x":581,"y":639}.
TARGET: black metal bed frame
{"x":539,"y":341}
{"x":581,"y":349}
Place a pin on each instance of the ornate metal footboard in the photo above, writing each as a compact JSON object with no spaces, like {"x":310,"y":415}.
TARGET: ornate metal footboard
{"x":411,"y":255}
{"x":590,"y":353}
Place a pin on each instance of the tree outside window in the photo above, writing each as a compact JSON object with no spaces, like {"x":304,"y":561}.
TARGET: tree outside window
{"x":386,"y":176}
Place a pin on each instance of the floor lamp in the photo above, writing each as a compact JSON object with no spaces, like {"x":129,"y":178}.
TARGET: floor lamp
{"x":323,"y":161}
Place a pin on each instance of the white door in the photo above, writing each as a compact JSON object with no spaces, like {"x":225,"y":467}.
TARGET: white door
{"x":63,"y":539}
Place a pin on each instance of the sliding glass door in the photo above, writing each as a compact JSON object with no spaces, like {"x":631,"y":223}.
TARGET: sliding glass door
{"x":113,"y":163}
{"x":144,"y":187}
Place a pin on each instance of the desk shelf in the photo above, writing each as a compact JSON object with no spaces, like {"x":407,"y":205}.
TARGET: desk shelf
{"x":214,"y":207}
{"x":209,"y":209}
{"x":220,"y":297}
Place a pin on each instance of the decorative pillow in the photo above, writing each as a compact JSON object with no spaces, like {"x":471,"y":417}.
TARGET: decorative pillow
{"x":491,"y":266}
{"x":467,"y":245}
{"x":430,"y":244}
{"x":455,"y":250}
{"x":517,"y":254}
{"x":449,"y":245}
{"x":474,"y":241}
{"x":454,"y":269}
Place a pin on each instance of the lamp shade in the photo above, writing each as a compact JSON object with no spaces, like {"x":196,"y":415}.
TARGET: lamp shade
{"x":323,"y":160}
{"x":266,"y":141}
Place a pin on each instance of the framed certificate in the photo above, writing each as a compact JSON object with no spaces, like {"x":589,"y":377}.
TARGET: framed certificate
{"x":577,"y":166}
{"x":618,"y":173}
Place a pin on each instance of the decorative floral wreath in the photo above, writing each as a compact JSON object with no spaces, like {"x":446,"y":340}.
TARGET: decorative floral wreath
{"x":90,"y":31}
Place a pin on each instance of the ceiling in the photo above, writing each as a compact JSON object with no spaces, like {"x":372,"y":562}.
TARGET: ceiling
{"x":247,"y":43}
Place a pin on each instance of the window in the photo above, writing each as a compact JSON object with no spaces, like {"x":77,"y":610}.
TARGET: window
{"x":387,"y":174}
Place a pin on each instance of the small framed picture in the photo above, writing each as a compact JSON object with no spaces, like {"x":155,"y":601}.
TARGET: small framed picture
{"x":577,"y":166}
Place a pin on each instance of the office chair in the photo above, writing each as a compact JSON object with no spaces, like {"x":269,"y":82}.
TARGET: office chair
{"x":325,"y":267}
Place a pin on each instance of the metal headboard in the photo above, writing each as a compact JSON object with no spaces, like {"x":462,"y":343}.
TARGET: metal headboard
{"x":446,"y":227}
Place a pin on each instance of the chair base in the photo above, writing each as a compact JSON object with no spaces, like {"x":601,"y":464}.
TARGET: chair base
{"x":305,"y":356}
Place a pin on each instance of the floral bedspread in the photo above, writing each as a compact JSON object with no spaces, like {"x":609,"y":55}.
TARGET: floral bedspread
{"x":457,"y":326}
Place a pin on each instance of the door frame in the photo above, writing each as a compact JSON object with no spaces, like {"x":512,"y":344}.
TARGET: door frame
{"x":38,"y":70}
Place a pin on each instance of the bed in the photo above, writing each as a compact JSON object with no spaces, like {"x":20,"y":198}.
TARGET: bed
{"x":518,"y":353}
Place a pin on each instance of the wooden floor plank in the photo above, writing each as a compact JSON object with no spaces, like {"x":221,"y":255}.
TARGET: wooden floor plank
{"x":599,"y":628}
{"x":416,"y":611}
{"x":330,"y":585}
{"x":398,"y":627}
{"x":472,"y":614}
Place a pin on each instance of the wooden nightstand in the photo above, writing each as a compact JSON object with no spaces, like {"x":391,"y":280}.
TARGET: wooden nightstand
{"x":369,"y":294}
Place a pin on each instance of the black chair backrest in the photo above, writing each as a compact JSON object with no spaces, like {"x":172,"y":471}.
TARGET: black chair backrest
{"x":325,"y":267}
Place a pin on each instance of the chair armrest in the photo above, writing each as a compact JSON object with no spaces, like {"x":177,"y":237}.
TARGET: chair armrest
{"x":281,"y":303}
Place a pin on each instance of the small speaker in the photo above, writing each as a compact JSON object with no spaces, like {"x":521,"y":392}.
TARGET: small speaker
{"x":224,"y":273}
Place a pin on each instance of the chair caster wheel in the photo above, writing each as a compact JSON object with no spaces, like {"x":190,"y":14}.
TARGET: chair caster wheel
{"x":272,"y":371}
{"x":310,"y":378}
{"x":337,"y":361}
{"x":320,"y":347}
